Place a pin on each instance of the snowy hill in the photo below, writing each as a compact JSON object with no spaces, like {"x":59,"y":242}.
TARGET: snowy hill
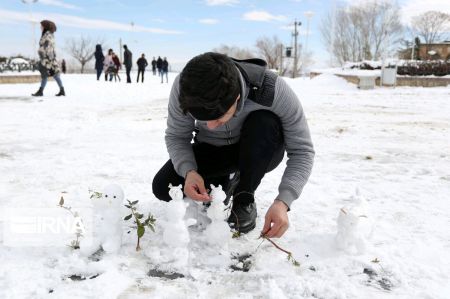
{"x":391,"y":144}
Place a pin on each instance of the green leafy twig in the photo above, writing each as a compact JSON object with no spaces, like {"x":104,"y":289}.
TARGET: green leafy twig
{"x":236,"y":234}
{"x":74,"y":244}
{"x":95,"y":194}
{"x":141,"y":224}
{"x":290,"y":257}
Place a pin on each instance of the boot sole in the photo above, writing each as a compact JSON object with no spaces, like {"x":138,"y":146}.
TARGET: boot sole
{"x":244,"y":230}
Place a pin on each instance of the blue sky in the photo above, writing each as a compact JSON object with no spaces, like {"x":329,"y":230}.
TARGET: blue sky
{"x":176,"y":29}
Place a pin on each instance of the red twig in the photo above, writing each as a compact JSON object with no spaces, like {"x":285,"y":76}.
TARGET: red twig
{"x":276,"y":245}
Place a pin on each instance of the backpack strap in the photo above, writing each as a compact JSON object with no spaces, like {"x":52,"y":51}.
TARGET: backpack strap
{"x":260,"y":80}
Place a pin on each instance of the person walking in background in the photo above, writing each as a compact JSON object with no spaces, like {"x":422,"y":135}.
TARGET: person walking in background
{"x":48,"y":65}
{"x":159,"y":65}
{"x":165,"y":70}
{"x":128,"y":62}
{"x":63,"y":66}
{"x":154,"y":66}
{"x":99,"y":59}
{"x":117,"y":65}
{"x":109,"y":65}
{"x":142,"y":64}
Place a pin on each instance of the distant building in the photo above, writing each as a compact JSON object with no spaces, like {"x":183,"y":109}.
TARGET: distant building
{"x":435,"y":51}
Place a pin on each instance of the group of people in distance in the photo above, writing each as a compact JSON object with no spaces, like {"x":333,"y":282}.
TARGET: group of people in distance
{"x":110,"y":65}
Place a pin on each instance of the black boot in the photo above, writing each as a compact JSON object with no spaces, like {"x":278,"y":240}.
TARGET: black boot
{"x":38,"y":93}
{"x":61,"y":92}
{"x":243,"y":215}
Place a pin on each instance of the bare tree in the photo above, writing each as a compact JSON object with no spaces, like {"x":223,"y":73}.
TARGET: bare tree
{"x":235,"y":52}
{"x":431,"y":26}
{"x":82,"y":49}
{"x":367,"y":30}
{"x":384,"y":28}
{"x":270,"y":50}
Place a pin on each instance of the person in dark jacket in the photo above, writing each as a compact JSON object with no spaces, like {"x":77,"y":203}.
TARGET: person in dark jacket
{"x":154,"y":66}
{"x":99,"y":58}
{"x":63,"y":66}
{"x":48,"y":65}
{"x":127,"y":62}
{"x":165,"y":70}
{"x":159,"y":65}
{"x":245,"y":119}
{"x":142,"y":64}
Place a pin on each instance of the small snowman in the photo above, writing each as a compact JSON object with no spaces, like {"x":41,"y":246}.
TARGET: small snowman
{"x":107,"y":225}
{"x":218,"y":232}
{"x":354,"y":225}
{"x":176,"y":234}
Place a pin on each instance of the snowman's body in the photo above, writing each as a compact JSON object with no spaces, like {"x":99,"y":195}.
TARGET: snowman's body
{"x":107,"y":224}
{"x":355,"y":226}
{"x":175,"y":231}
{"x":176,"y":234}
{"x":218,"y":232}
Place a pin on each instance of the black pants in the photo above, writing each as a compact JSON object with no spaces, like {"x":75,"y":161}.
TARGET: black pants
{"x":128,"y":70}
{"x":99,"y":72}
{"x":140,"y":71}
{"x":260,"y":150}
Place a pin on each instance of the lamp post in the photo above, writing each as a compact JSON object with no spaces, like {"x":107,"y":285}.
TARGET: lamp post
{"x":308,"y":15}
{"x":295,"y":34}
{"x":33,"y":23}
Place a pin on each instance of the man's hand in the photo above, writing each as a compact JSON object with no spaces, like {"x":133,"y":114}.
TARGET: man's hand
{"x":194,"y":187}
{"x":276,"y":220}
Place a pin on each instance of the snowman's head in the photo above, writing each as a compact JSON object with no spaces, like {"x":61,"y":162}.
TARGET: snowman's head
{"x":348,"y":219}
{"x":176,"y":192}
{"x":112,"y":196}
{"x":217,"y":194}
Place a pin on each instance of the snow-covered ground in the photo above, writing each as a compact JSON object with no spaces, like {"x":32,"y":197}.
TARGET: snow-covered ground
{"x":392,"y":144}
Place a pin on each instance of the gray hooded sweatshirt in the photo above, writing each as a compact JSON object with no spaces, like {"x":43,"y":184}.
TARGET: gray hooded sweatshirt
{"x":286,"y":106}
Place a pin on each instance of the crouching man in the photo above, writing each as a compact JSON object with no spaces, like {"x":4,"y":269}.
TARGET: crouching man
{"x":230,"y":122}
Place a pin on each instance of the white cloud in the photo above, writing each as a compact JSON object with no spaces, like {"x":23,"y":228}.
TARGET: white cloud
{"x":416,"y":7}
{"x":262,"y":16}
{"x":208,"y":21}
{"x":78,"y":22}
{"x":221,"y":2}
{"x":58,"y":3}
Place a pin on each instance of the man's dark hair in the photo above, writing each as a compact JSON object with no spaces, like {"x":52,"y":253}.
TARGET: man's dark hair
{"x":209,"y":86}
